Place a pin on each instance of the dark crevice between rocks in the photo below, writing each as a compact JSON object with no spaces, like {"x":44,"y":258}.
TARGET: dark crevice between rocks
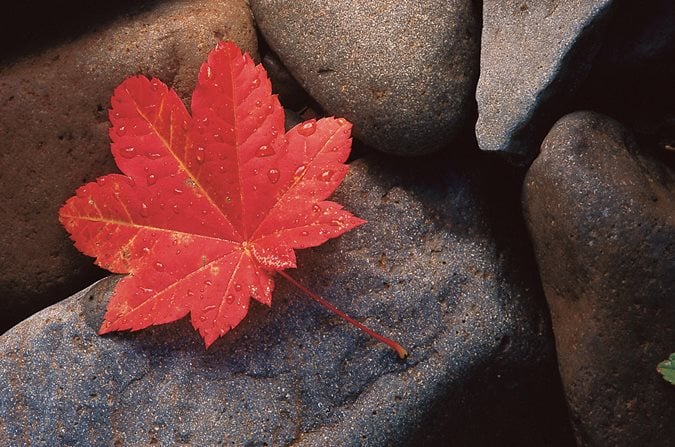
{"x":630,"y":73}
{"x":291,"y":94}
{"x":577,"y":66}
{"x":522,"y":408}
{"x":13,"y":312}
{"x":31,"y":27}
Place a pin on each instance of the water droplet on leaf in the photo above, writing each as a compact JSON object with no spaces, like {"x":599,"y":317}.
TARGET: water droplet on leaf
{"x":152,"y":179}
{"x":199,"y":154}
{"x":273,"y":175}
{"x":307,"y":129}
{"x":264,"y":151}
{"x":129,"y":152}
{"x":298,"y":172}
{"x":144,"y":210}
{"x":159,"y":266}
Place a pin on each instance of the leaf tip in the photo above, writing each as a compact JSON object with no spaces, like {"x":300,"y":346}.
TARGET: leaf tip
{"x":209,"y":339}
{"x":105,"y":328}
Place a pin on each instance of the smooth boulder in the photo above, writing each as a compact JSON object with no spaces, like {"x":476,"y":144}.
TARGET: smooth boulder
{"x":599,"y":205}
{"x":403,"y":72}
{"x":434,"y":268}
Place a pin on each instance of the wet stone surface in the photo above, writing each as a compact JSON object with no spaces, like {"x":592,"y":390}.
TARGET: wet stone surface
{"x":599,"y":205}
{"x":434,"y":269}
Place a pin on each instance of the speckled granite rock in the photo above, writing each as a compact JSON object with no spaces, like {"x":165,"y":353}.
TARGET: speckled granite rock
{"x":402,"y":71}
{"x":532,"y":55}
{"x":435,"y":268}
{"x":54,"y":126}
{"x":600,"y":211}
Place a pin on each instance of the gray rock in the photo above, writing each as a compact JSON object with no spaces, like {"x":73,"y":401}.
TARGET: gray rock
{"x":533,"y":56}
{"x":600,"y":211}
{"x":402,"y":71}
{"x":434,"y":269}
{"x":54,"y":125}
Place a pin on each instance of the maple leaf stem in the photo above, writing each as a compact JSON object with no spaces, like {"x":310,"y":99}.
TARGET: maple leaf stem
{"x":402,"y":353}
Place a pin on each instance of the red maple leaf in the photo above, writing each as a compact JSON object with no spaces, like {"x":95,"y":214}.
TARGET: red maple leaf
{"x":211,"y":205}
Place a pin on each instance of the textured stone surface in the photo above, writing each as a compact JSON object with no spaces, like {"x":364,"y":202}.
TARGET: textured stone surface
{"x":435,"y":268}
{"x":54,"y":128}
{"x":533,"y":54}
{"x":600,"y":211}
{"x":402,"y":71}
